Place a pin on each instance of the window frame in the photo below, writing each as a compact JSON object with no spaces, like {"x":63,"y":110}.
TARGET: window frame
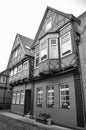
{"x":40,"y":98}
{"x":21,"y":69}
{"x":50,"y":47}
{"x":14,"y":99}
{"x":27,"y":67}
{"x":70,"y":40}
{"x":63,"y":93}
{"x":22,"y":100}
{"x":41,"y":43}
{"x":36,"y":58}
{"x":47,"y":26}
{"x":18,"y":96}
{"x":51,"y":96}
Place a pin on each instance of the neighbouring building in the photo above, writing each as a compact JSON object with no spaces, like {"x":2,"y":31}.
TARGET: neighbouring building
{"x":48,"y":74}
{"x":20,"y":68}
{"x":5,"y":92}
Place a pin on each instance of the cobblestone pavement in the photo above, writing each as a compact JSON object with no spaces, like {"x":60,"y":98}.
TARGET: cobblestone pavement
{"x":7,"y":123}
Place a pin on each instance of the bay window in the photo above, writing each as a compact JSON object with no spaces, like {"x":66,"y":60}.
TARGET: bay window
{"x":64,"y":96}
{"x":36,"y":59}
{"x":50,"y":96}
{"x":53,"y":48}
{"x":65,"y":44}
{"x":43,"y":50}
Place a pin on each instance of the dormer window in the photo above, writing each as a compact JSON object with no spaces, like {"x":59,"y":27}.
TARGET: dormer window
{"x":48,"y":24}
{"x":65,"y":44}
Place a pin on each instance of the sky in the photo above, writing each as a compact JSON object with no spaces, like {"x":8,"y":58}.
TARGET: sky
{"x":24,"y":17}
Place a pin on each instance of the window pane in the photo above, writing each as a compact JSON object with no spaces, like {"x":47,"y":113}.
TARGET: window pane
{"x":48,"y":24}
{"x":15,"y":70}
{"x":19,"y":68}
{"x":14,"y":98}
{"x":64,"y":96}
{"x":50,"y":96}
{"x":25,"y":65}
{"x":43,"y":52}
{"x":17,"y":97}
{"x":22,"y":97}
{"x":53,"y":48}
{"x":39,"y":97}
{"x":65,"y":44}
{"x":37,"y":59}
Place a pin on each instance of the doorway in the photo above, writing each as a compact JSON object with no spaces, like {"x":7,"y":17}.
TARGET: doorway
{"x":27,"y":108}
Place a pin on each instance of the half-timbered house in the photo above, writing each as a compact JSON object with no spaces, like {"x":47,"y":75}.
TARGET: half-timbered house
{"x":57,"y":78}
{"x":20,"y":68}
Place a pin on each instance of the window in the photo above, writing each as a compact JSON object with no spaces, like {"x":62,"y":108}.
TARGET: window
{"x":48,"y":24}
{"x":50,"y":96}
{"x":43,"y":51}
{"x":25,"y":65}
{"x":16,"y":53}
{"x":36,"y":59}
{"x":64,"y":96}
{"x":53,"y":48}
{"x":11,"y":73}
{"x":19,"y":68}
{"x":15,"y":70}
{"x":65,"y":44}
{"x":14,"y":98}
{"x":40,"y":97}
{"x":22,"y":97}
{"x":17,"y":97}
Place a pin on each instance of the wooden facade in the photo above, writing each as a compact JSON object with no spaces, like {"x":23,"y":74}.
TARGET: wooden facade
{"x":45,"y":73}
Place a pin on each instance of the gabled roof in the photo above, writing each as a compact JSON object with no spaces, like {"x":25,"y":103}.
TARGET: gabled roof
{"x":82,"y":15}
{"x":26,"y":44}
{"x":69,"y":16}
{"x":4,"y":73}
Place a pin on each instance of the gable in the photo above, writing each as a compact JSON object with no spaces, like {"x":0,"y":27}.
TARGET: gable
{"x":17,"y":52}
{"x":58,"y":20}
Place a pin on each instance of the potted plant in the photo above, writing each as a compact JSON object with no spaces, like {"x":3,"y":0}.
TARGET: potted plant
{"x":49,"y":119}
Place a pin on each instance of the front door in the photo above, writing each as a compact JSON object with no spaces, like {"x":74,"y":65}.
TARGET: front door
{"x":27,"y":101}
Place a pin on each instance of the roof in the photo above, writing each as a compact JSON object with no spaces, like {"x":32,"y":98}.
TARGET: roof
{"x":69,"y":16}
{"x":26,"y":43}
{"x":82,"y":15}
{"x":4,"y":73}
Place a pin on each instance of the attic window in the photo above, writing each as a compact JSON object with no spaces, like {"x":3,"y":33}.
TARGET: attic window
{"x":48,"y":23}
{"x":27,"y":47}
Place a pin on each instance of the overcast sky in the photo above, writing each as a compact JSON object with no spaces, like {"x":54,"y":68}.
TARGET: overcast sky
{"x":24,"y":17}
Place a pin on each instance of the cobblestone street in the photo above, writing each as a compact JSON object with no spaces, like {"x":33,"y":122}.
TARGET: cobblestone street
{"x":7,"y":123}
